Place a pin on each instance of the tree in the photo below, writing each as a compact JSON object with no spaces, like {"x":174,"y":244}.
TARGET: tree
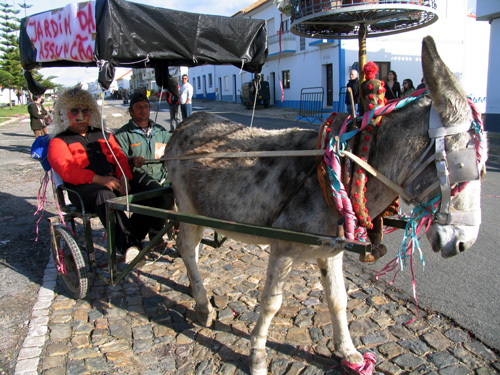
{"x":10,"y":62}
{"x":25,"y":7}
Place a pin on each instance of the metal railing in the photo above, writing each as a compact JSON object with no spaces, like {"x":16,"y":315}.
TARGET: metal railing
{"x":311,"y":103}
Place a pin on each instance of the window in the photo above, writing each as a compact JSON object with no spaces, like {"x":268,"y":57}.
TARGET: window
{"x":210,"y":84}
{"x":285,"y":26}
{"x":286,"y":79}
{"x":199,"y":83}
{"x":226,"y":83}
{"x":270,"y":27}
{"x":302,"y":43}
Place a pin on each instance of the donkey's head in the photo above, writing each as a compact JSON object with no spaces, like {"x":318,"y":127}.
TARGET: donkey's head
{"x":456,"y":225}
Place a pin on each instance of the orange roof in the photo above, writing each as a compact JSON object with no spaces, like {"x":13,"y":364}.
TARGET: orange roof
{"x":130,"y":71}
{"x":251,"y":7}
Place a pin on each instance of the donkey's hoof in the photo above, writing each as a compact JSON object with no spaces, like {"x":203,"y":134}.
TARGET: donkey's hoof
{"x":203,"y":317}
{"x":258,"y":361}
{"x":378,"y":252}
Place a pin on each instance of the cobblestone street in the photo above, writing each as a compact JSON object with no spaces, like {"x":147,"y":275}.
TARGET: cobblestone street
{"x":145,"y":324}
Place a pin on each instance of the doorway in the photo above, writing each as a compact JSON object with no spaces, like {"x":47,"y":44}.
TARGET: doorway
{"x":329,"y":85}
{"x":272,"y":88}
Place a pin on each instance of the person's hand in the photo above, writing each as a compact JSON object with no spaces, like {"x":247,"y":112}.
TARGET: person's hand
{"x":124,"y":185}
{"x":139,"y":161}
{"x":112,"y":183}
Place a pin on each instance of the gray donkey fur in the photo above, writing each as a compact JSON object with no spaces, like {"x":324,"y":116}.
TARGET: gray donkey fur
{"x":252,"y":190}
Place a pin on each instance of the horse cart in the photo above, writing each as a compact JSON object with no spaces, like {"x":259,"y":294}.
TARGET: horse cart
{"x":438,"y":171}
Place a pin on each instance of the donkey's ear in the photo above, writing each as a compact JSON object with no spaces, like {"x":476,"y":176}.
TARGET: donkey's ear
{"x":445,"y":89}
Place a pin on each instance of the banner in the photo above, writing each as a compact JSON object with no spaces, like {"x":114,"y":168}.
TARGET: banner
{"x":64,"y":34}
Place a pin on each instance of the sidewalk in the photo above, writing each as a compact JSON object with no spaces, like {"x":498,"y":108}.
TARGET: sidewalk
{"x":144,"y":325}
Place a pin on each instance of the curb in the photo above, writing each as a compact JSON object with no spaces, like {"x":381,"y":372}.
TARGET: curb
{"x":31,"y":349}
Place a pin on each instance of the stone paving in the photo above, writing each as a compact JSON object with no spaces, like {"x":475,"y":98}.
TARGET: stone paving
{"x":145,"y":324}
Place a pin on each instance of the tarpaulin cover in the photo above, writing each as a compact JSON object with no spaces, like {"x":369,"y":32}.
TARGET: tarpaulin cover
{"x":113,"y":33}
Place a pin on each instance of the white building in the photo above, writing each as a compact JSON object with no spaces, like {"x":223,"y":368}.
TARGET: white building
{"x":489,"y":10}
{"x":298,"y":63}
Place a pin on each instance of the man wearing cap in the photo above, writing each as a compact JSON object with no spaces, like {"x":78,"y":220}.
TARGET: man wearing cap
{"x":142,"y":139}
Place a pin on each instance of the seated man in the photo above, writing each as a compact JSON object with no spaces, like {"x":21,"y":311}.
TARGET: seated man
{"x":80,"y":154}
{"x":142,"y":139}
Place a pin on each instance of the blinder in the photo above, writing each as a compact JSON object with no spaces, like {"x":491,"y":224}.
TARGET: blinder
{"x":455,"y":166}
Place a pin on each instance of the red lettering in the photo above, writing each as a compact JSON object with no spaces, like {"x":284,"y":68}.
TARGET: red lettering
{"x":55,"y":28}
{"x":73,"y":55}
{"x":86,"y":20}
{"x":67,"y":26}
{"x":47,"y":28}
{"x":58,"y":52}
{"x":38,"y":31}
{"x":32,"y":24}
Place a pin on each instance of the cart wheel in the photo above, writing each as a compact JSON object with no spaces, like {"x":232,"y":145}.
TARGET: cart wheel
{"x":70,"y":263}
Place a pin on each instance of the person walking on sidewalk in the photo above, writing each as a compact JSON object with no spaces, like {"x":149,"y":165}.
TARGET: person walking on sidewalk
{"x":37,"y":116}
{"x":186,"y":97}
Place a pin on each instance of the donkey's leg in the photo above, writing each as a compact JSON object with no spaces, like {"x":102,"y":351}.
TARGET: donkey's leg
{"x":278,"y":270}
{"x":188,"y":242}
{"x":332,"y":278}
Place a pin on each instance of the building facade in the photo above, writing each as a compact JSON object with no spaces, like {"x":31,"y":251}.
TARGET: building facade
{"x":296,"y":63}
{"x":489,"y":10}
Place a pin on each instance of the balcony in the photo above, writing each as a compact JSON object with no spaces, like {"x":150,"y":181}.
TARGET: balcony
{"x":288,"y":44}
{"x":341,"y":19}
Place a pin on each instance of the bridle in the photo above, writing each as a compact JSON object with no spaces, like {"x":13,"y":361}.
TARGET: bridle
{"x":454,"y":168}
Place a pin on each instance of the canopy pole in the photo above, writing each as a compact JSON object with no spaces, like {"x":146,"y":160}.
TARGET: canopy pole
{"x":362,"y":33}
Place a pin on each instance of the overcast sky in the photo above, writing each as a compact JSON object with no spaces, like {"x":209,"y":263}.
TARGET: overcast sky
{"x":72,"y":76}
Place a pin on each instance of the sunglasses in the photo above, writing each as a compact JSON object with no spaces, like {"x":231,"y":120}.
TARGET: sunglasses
{"x":76,"y":111}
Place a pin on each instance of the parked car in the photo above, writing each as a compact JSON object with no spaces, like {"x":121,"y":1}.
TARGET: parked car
{"x":247,"y":95}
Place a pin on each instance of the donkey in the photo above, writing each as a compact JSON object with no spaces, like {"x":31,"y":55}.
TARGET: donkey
{"x":253,"y":190}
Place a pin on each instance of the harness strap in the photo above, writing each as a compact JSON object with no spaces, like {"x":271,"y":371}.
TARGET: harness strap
{"x":375,"y":173}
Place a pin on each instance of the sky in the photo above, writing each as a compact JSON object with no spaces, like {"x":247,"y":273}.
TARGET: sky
{"x":72,"y":76}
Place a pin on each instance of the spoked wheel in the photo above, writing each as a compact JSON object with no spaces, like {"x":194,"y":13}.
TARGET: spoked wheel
{"x":70,"y":263}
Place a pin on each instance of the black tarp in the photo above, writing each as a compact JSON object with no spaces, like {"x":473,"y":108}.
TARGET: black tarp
{"x":122,"y":33}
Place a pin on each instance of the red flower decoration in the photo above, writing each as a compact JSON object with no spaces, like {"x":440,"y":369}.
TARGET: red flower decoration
{"x":356,"y":196}
{"x":358,"y":182}
{"x":370,"y":86}
{"x":380,"y":101}
{"x":356,"y":206}
{"x":360,"y":171}
{"x":364,"y":149}
{"x":367,"y":138}
{"x":370,"y":96}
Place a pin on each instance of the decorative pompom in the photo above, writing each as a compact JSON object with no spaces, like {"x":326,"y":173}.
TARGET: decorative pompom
{"x":367,"y":138}
{"x":380,"y":101}
{"x":356,"y":196}
{"x":369,"y":128}
{"x":370,"y":106}
{"x":328,"y":130}
{"x":382,"y":83}
{"x":370,"y":96}
{"x":370,"y":86}
{"x":370,"y":70}
{"x":360,"y":171}
{"x":358,"y":182}
{"x":364,"y":150}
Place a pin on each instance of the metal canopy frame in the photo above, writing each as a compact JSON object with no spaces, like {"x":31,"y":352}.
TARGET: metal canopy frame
{"x":343,"y":19}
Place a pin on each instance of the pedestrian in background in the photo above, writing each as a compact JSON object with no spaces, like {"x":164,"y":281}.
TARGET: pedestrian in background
{"x":186,"y":97}
{"x":408,"y":87}
{"x":392,"y":86}
{"x":354,"y":85}
{"x":173,"y":105}
{"x":37,"y":116}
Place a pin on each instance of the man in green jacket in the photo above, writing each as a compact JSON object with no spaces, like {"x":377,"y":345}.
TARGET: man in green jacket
{"x":142,"y":139}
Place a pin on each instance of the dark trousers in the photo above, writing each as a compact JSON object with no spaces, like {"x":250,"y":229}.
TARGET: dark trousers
{"x":94,"y":197}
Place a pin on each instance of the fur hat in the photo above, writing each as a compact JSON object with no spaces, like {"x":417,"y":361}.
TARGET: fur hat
{"x":69,"y":99}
